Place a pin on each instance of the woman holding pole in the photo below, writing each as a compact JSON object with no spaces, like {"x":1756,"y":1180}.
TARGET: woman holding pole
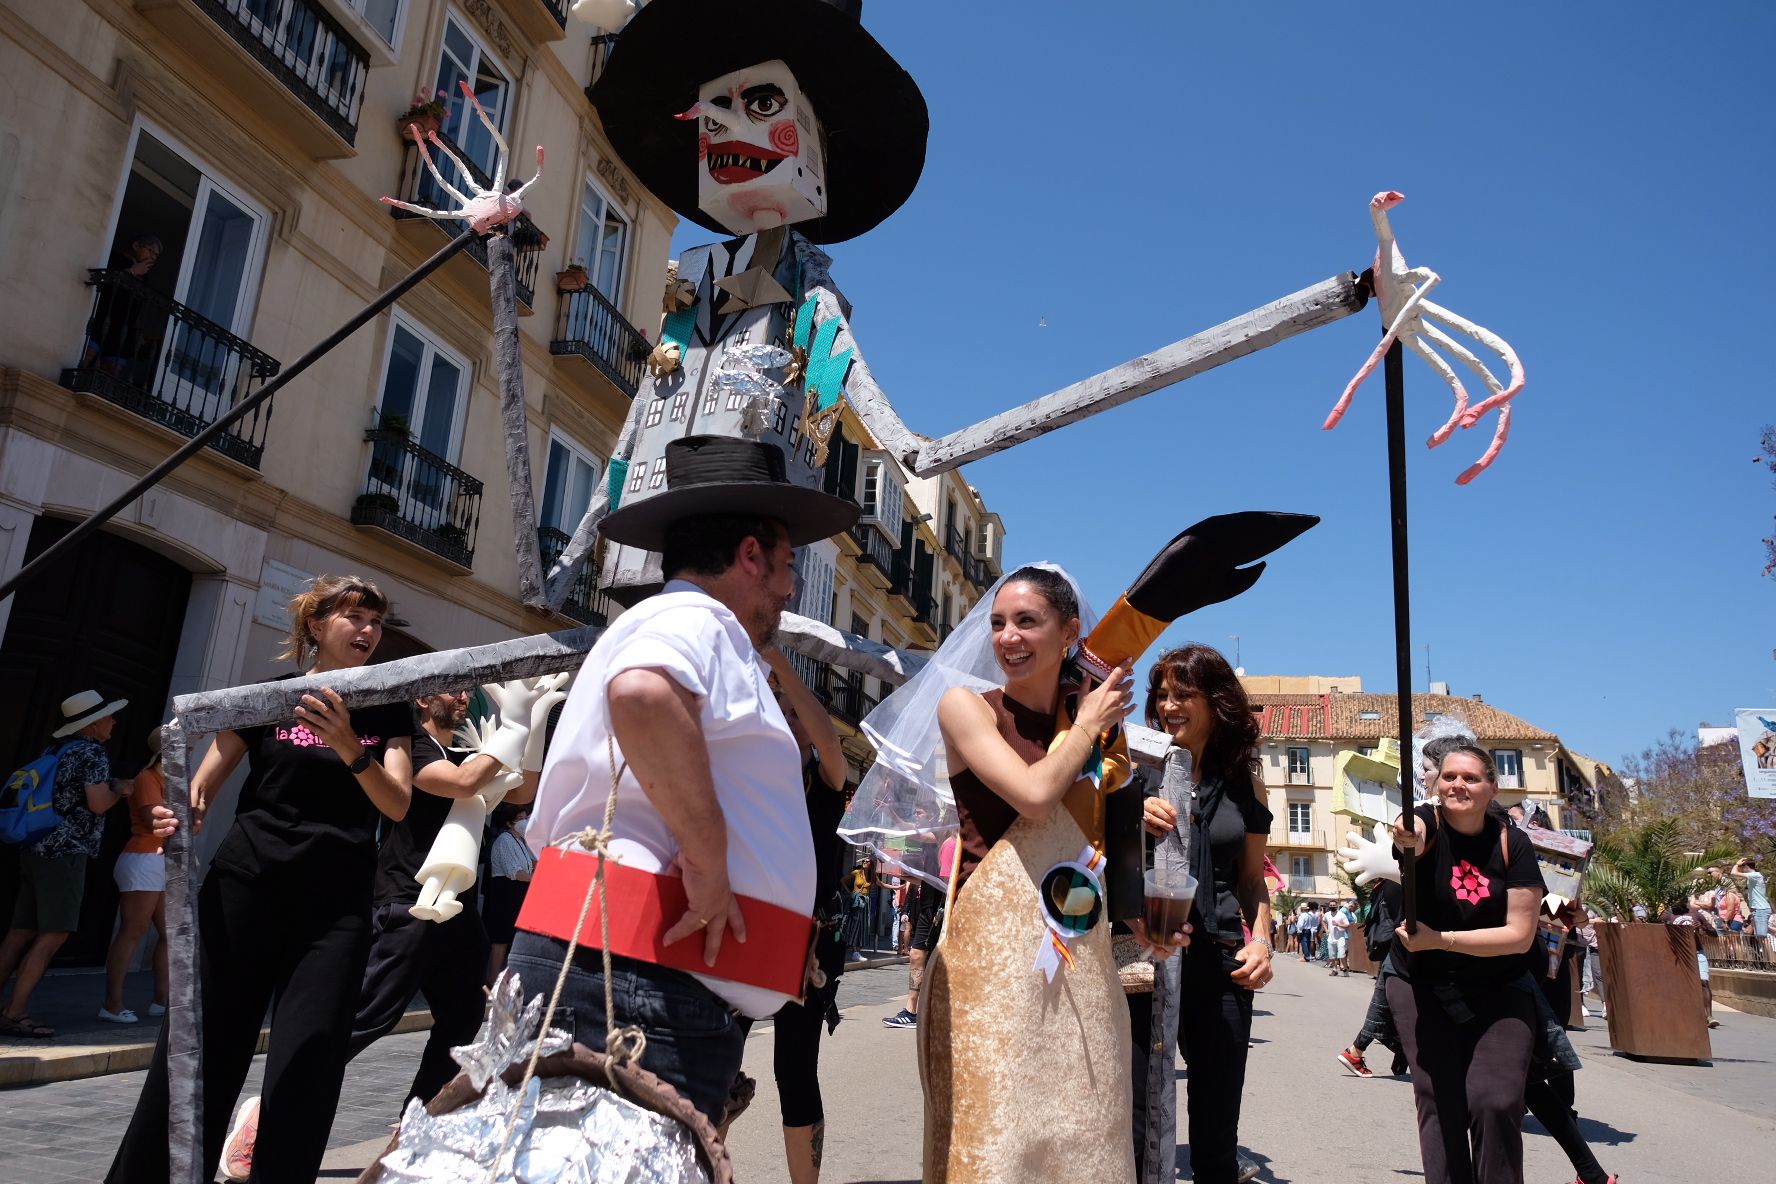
{"x":1461,"y":998}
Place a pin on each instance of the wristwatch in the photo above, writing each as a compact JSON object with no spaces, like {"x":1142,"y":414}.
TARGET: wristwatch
{"x":362,"y":763}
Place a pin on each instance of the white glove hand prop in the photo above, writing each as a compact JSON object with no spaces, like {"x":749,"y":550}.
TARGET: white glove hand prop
{"x":1368,"y":859}
{"x":554,"y":690}
{"x":449,"y":868}
{"x":504,"y":743}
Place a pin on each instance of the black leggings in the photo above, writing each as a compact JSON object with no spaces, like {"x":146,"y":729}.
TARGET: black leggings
{"x":1550,"y":1099}
{"x":299,"y":950}
{"x":795,"y":1042}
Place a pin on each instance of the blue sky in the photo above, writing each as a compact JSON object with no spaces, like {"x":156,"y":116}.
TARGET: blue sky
{"x":1592,"y":182}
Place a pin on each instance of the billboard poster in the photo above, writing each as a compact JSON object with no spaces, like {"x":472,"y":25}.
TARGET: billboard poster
{"x":1757,"y":749}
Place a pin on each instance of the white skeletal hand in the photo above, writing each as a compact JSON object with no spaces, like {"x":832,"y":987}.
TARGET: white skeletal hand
{"x":1369,"y":859}
{"x":482,"y":209}
{"x":1415,"y":321}
{"x":553,"y":690}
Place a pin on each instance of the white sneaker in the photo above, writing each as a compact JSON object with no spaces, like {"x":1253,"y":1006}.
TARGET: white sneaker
{"x":237,"y":1151}
{"x":1585,"y":1011}
{"x":126,"y":1016}
{"x":157,"y":1010}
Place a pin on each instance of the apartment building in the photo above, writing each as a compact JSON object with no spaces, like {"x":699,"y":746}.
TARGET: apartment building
{"x":190,"y":190}
{"x":1302,"y":732}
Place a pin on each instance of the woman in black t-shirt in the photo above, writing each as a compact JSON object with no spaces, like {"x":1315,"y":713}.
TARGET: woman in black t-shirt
{"x":1461,"y":996}
{"x":284,"y":912}
{"x":1193,"y":694}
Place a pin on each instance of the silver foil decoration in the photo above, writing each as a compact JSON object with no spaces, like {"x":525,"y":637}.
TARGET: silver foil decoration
{"x":570,"y":1130}
{"x":743,"y":372}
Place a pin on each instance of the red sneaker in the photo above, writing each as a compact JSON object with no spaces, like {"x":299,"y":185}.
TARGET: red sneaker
{"x":237,"y":1151}
{"x":1353,"y":1064}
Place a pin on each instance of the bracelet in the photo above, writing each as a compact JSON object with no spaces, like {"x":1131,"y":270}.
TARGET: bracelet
{"x":1449,"y":939}
{"x":1265,"y":942}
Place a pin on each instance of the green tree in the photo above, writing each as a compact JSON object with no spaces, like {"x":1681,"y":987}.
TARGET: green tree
{"x":1701,"y":791}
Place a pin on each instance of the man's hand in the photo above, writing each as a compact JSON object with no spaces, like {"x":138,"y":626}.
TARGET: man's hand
{"x":709,"y":906}
{"x":1158,"y":816}
{"x":1253,"y":970}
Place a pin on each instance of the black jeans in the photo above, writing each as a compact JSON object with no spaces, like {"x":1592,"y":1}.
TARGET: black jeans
{"x":695,"y":1041}
{"x":1214,"y":1028}
{"x":448,"y":961}
{"x":300,"y":950}
{"x":1468,"y":1079}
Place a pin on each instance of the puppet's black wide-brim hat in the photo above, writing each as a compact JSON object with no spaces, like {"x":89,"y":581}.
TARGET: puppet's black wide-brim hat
{"x":872,"y":112}
{"x":728,"y":475}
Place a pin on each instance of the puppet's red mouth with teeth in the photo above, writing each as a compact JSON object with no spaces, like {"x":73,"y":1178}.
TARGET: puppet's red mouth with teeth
{"x":734,"y":163}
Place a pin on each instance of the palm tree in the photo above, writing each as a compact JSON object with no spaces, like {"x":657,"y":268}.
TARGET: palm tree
{"x":1646,"y":866}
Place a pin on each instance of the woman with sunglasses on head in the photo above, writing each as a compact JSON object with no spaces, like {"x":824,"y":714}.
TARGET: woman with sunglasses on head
{"x":1463,"y":1003}
{"x":284,"y":911}
{"x":1194,"y":695}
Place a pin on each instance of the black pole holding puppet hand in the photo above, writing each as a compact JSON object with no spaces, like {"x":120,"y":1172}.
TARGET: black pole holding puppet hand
{"x":1394,"y":369}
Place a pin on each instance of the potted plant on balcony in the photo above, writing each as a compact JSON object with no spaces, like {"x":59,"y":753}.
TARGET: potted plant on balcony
{"x":386,"y":503}
{"x":573,"y":277}
{"x":427,"y":113}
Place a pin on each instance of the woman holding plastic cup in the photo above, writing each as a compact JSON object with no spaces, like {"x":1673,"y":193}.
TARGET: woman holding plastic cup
{"x":1193,"y":694}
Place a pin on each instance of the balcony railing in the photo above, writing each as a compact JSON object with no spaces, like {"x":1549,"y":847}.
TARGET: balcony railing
{"x":925,"y":608}
{"x":419,"y":497}
{"x":956,"y":546}
{"x":151,"y":355}
{"x":306,"y":49}
{"x":585,"y":603}
{"x":900,"y":578}
{"x":1303,"y":883}
{"x":590,"y":326}
{"x":845,"y":698}
{"x":418,"y":187}
{"x":876,"y":547}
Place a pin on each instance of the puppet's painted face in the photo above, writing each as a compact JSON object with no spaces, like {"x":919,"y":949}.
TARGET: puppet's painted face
{"x":758,"y":150}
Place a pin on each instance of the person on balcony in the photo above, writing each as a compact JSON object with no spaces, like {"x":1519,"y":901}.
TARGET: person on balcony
{"x":119,"y":333}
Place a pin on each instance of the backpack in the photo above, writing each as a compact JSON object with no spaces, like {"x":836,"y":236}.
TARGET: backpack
{"x":27,"y":803}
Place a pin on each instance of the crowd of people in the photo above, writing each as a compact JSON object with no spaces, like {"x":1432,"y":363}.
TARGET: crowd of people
{"x":729,"y":781}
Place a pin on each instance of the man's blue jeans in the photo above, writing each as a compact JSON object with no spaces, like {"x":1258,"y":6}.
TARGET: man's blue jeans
{"x":695,"y":1041}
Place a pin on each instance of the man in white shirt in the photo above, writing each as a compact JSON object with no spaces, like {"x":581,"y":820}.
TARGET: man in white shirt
{"x":710,"y":837}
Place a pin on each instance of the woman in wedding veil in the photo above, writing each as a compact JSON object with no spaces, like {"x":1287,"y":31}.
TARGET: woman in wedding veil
{"x":1023,"y":1031}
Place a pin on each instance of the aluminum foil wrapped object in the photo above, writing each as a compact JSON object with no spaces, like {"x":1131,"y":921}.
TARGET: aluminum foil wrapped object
{"x":743,"y":373}
{"x":570,"y":1130}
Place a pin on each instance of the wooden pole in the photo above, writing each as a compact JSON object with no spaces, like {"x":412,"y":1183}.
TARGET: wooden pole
{"x":1394,"y":369}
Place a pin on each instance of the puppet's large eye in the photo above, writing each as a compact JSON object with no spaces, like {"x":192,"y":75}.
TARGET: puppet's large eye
{"x":712,"y":126}
{"x":764,"y":102}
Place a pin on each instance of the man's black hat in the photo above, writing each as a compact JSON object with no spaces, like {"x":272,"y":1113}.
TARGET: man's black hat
{"x":872,"y":112}
{"x":727,"y":475}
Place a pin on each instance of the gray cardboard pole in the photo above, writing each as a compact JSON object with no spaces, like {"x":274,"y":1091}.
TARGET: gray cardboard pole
{"x":1159,"y":1153}
{"x":508,"y":363}
{"x":184,"y":1000}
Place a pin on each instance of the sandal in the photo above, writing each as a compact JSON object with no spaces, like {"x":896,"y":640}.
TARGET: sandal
{"x":25,"y":1026}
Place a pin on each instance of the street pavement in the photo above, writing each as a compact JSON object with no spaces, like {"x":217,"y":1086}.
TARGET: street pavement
{"x":1304,"y":1119}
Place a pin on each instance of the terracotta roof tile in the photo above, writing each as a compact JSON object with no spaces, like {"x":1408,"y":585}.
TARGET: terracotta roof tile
{"x":1488,"y":722}
{"x":1292,"y":716}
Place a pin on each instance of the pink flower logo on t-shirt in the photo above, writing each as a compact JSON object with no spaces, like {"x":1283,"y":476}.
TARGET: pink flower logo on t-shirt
{"x":1469,"y":884}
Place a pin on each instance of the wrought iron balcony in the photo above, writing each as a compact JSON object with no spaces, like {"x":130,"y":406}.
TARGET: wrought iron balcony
{"x":925,"y":608}
{"x":876,"y":548}
{"x":418,"y":187}
{"x":900,"y":578}
{"x":585,"y":603}
{"x":845,"y":698}
{"x":956,"y":546}
{"x":420,"y":497}
{"x":589,"y":326}
{"x":151,"y":355}
{"x":306,"y":49}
